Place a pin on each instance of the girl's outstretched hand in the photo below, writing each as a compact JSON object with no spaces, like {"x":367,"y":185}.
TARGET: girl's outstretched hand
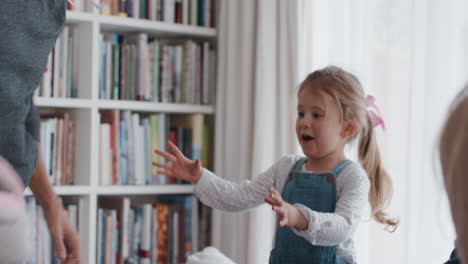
{"x":288,"y":214}
{"x":178,"y":166}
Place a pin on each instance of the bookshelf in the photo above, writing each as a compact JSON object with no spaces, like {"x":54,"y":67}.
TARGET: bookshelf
{"x":85,"y":111}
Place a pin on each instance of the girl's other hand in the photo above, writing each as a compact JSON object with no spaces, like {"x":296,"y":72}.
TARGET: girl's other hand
{"x":178,"y":166}
{"x":288,"y":214}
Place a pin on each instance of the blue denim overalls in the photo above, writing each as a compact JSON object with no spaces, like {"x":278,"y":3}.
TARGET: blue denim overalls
{"x":316,"y":191}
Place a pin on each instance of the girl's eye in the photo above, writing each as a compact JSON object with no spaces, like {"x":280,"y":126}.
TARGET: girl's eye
{"x":300,"y":114}
{"x":315,"y":115}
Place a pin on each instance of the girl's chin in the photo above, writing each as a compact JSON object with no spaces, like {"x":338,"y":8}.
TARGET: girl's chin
{"x":310,"y":154}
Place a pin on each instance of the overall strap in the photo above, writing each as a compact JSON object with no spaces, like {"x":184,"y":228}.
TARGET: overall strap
{"x":298,"y":165}
{"x":340,"y":167}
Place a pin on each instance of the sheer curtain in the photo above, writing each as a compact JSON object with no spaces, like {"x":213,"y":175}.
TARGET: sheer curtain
{"x":255,"y":111}
{"x":412,"y":56}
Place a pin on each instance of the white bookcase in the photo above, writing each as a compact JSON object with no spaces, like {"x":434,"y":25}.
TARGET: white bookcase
{"x":85,"y":113}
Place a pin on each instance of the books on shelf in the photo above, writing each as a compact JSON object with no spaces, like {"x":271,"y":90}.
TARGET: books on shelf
{"x":60,"y":78}
{"x":83,"y":5}
{"x":163,"y":232}
{"x":189,"y":12}
{"x":136,"y":67}
{"x":128,"y":141}
{"x":57,"y":132}
{"x":40,"y":238}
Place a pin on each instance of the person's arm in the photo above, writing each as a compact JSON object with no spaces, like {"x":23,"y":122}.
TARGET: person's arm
{"x":228,"y":196}
{"x":62,"y":232}
{"x":215,"y":191}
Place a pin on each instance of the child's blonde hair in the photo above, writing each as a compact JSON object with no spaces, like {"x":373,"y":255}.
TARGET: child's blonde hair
{"x":453,"y":156}
{"x":347,"y":91}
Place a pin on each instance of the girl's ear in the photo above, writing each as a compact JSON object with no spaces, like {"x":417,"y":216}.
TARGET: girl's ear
{"x":350,"y":129}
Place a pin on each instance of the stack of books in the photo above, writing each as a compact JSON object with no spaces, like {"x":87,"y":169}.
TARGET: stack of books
{"x":128,"y":141}
{"x":135,"y":67}
{"x":60,"y":77}
{"x":40,"y":238}
{"x":58,"y":135}
{"x":163,"y":232}
{"x":188,"y":12}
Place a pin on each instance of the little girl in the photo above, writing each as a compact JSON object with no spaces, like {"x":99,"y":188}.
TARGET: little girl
{"x":319,"y":198}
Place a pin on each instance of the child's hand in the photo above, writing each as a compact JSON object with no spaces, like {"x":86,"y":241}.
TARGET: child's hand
{"x":288,"y":214}
{"x":178,"y":166}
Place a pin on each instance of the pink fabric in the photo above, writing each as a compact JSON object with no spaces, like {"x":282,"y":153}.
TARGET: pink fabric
{"x":374,"y":112}
{"x":15,"y":245}
{"x":11,"y":187}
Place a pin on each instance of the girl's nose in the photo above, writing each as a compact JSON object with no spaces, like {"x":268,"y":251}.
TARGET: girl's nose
{"x":304,"y":123}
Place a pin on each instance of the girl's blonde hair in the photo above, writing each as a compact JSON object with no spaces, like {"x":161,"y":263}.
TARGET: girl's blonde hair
{"x":347,"y":91}
{"x":453,"y":156}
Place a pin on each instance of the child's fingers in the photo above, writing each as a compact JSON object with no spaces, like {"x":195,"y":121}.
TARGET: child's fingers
{"x":282,"y":215}
{"x":166,"y":155}
{"x":271,"y":201}
{"x":277,"y":199}
{"x":174,"y":150}
{"x":165,"y":172}
{"x":280,"y":211}
{"x":57,"y":237}
{"x":283,"y":222}
{"x":162,"y":165}
{"x":274,"y":191}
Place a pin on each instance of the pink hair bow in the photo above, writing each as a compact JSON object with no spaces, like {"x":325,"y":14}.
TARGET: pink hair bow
{"x":374,"y":112}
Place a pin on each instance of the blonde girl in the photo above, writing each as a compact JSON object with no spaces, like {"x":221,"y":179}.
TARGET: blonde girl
{"x":319,"y":198}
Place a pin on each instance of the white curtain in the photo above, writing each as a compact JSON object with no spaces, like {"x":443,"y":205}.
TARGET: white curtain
{"x":412,"y":56}
{"x":257,"y":77}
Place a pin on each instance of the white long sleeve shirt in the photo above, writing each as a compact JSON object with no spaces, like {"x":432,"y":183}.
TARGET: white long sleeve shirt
{"x":324,"y":229}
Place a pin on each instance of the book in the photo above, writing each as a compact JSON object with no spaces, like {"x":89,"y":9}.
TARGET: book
{"x":138,"y":150}
{"x":155,"y":144}
{"x":105,"y":155}
{"x":178,"y":12}
{"x":130,"y":147}
{"x":194,"y":12}
{"x":140,"y":40}
{"x":163,"y":232}
{"x":122,"y":207}
{"x":100,"y":236}
{"x":144,"y":253}
{"x":115,"y":85}
{"x":106,"y":8}
{"x":145,"y":123}
{"x":112,"y":117}
{"x":195,"y":138}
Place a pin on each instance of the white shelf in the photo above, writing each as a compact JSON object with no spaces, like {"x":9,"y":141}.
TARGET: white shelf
{"x":62,"y":102}
{"x":145,"y":189}
{"x":123,"y":105}
{"x":154,"y":107}
{"x":122,"y":24}
{"x":74,"y":17}
{"x":126,"y":24}
{"x":65,"y":190}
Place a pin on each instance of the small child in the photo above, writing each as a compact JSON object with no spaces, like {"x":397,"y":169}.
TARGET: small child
{"x":453,"y":156}
{"x":321,"y":197}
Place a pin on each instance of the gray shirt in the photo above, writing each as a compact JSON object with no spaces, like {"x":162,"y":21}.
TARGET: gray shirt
{"x":27,"y":35}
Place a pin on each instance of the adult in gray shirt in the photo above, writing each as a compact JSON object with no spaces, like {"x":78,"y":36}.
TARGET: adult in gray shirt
{"x":28,"y":31}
